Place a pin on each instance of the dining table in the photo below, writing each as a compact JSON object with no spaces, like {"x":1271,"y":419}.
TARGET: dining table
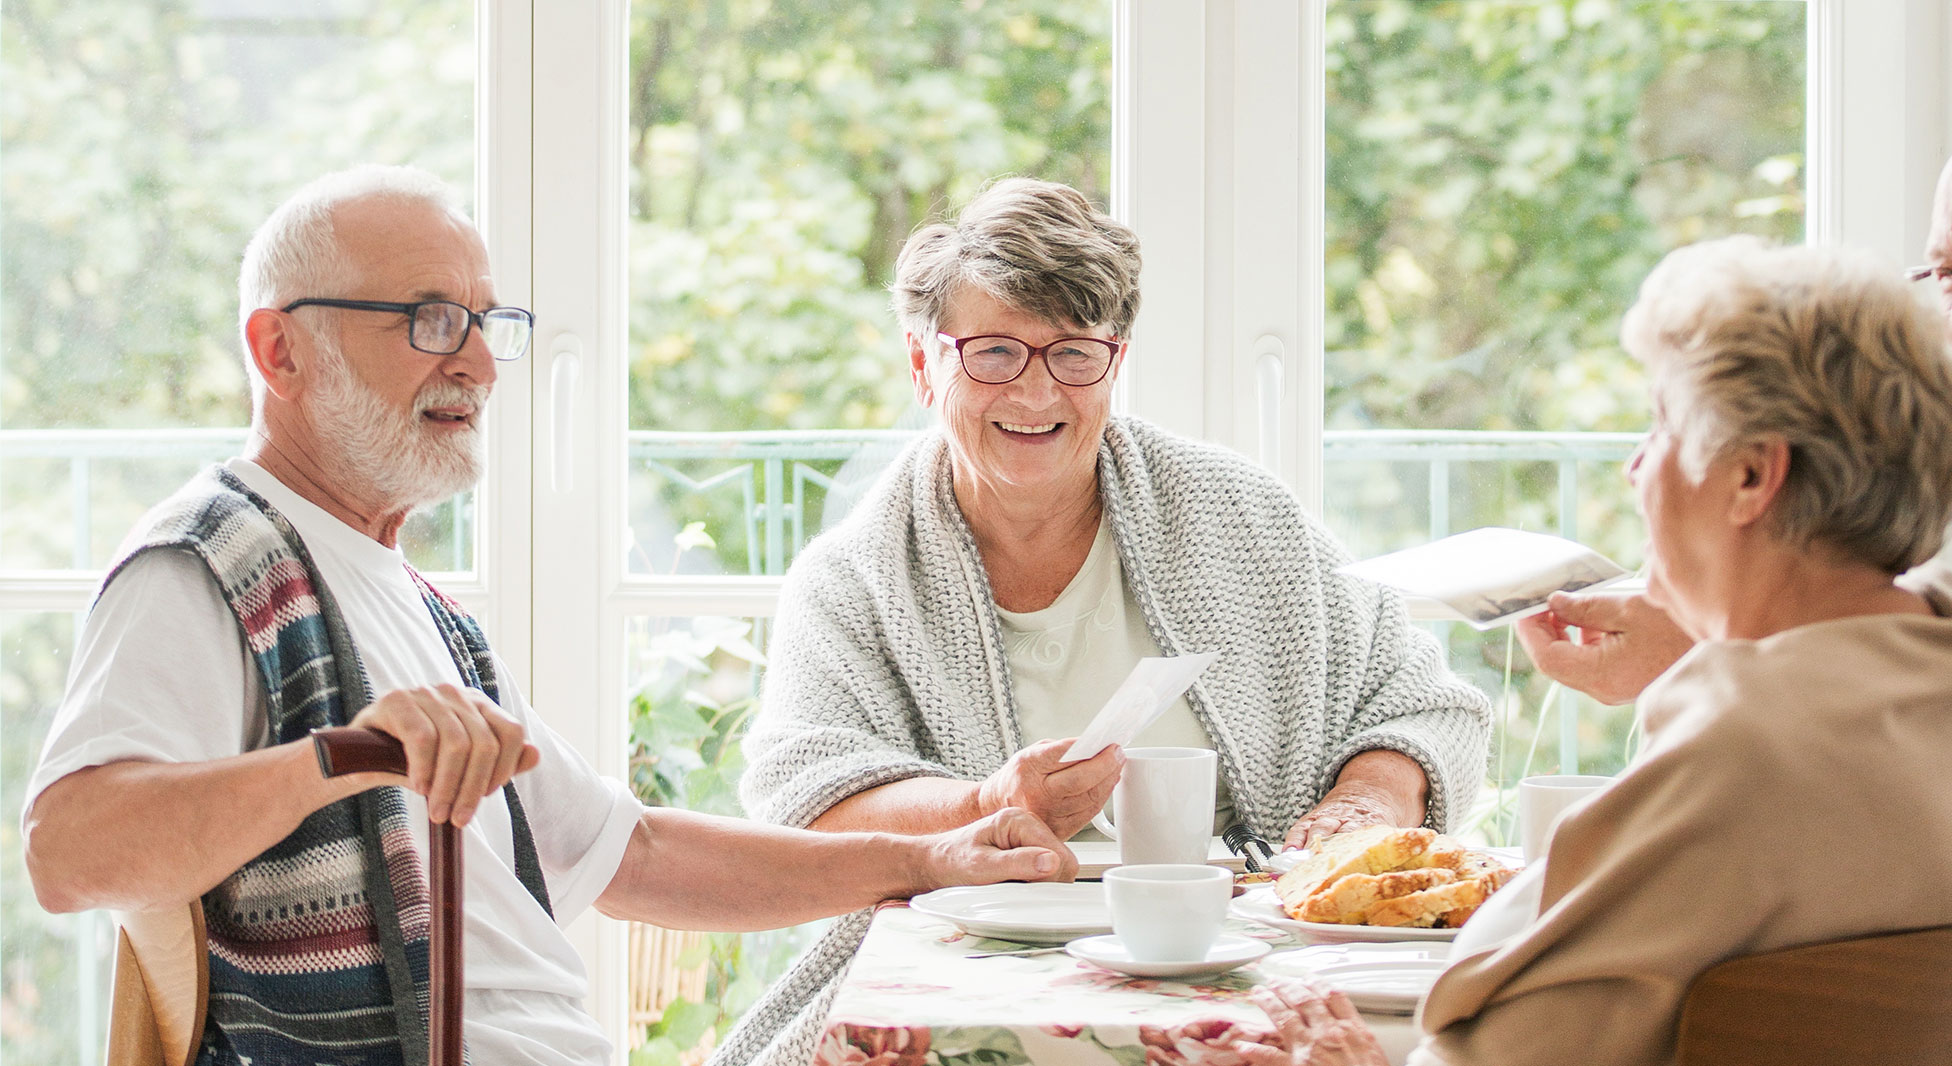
{"x":922,"y":992}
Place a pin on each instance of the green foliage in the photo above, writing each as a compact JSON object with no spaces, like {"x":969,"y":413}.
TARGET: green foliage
{"x":779,"y":155}
{"x":55,"y":977}
{"x":687,"y":721}
{"x":145,"y":140}
{"x":1501,"y":175}
{"x":685,"y":736}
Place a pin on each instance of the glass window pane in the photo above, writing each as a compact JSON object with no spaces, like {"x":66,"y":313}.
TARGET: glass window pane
{"x":55,"y":979}
{"x":693,"y":684}
{"x":779,"y":155}
{"x":1501,"y":175}
{"x":140,"y":144}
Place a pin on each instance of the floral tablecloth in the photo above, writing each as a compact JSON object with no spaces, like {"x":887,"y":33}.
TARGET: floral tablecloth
{"x":913,"y":998}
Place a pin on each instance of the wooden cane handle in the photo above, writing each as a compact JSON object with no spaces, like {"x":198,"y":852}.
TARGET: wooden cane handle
{"x":345,"y":750}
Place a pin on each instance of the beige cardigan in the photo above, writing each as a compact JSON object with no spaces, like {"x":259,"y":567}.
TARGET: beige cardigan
{"x":1793,"y":790}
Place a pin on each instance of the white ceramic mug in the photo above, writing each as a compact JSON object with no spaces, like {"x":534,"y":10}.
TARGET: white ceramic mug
{"x":1162,"y":807}
{"x":1541,"y":800}
{"x":1168,"y":912}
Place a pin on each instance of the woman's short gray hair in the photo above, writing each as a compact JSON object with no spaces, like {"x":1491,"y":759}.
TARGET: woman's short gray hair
{"x":296,"y":254}
{"x":1038,"y":246}
{"x":1824,"y":349}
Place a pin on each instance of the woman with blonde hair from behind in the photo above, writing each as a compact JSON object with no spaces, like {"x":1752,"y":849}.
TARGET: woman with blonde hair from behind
{"x":1791,"y":790}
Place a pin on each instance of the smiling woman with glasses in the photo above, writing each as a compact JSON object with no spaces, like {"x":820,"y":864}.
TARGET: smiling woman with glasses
{"x":935,"y":653}
{"x":440,"y":327}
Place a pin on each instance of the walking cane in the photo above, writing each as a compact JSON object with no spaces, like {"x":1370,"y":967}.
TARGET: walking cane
{"x":345,"y":750}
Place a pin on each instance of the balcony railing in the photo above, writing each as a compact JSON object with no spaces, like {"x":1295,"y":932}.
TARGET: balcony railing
{"x":773,"y":477}
{"x":767,"y":483}
{"x":773,"y":473}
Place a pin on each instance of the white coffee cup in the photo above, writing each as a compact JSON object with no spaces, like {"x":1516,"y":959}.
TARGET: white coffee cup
{"x":1168,"y":912}
{"x":1541,"y":800}
{"x":1162,"y":807}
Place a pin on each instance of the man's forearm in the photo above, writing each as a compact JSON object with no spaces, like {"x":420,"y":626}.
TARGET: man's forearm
{"x":137,"y":835}
{"x":1389,"y":775}
{"x":911,"y":806}
{"x":685,"y":870}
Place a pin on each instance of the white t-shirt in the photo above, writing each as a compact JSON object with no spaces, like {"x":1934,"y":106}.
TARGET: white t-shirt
{"x":1067,"y":659}
{"x":160,"y":674}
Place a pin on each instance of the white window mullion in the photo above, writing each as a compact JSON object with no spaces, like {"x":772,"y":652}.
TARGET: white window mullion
{"x":577,"y":390}
{"x":1159,"y":130}
{"x":1273,"y":312}
{"x":502,"y":209}
{"x":1311,"y":300}
{"x":1217,"y":165}
{"x":1877,"y":100}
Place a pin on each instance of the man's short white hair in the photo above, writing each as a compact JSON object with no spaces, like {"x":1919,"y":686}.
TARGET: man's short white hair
{"x":296,"y":253}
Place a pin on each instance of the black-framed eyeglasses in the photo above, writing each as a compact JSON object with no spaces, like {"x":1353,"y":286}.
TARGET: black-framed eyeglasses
{"x":994,"y":359}
{"x":440,"y":327}
{"x":1938,"y":272}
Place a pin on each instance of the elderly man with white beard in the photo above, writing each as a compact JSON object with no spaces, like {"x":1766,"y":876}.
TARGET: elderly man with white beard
{"x":269,"y":597}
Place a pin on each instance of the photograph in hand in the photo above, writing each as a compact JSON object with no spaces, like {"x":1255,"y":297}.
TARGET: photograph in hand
{"x":1488,"y":577}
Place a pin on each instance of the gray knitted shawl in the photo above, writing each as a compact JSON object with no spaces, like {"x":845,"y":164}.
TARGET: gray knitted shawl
{"x":887,"y":662}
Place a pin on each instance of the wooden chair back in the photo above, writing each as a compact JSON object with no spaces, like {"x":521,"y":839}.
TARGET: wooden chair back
{"x":162,"y":963}
{"x":1883,"y":999}
{"x":162,"y":987}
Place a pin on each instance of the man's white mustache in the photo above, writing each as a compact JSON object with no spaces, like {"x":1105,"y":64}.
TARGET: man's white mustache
{"x":449,"y":394}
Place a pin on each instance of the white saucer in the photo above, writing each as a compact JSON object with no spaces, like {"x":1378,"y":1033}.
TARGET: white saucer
{"x":1227,"y":953}
{"x":1038,"y":913}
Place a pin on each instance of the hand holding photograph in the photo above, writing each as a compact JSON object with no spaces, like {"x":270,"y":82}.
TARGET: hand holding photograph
{"x":1491,"y":576}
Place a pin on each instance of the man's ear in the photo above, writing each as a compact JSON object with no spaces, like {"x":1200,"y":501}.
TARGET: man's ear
{"x":272,"y":337}
{"x":918,"y":370}
{"x":1758,"y":470}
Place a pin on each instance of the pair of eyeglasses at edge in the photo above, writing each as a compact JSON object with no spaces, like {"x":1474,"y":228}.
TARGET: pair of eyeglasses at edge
{"x":440,"y":327}
{"x":1940,"y":272}
{"x":1074,"y":361}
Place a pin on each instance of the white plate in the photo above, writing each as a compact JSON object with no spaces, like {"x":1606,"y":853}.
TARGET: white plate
{"x":1283,"y":861}
{"x":1026,"y":913}
{"x":1383,"y":978}
{"x":1227,"y":952}
{"x":1263,"y":906}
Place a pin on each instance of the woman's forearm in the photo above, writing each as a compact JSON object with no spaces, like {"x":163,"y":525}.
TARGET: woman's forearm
{"x":911,"y":806}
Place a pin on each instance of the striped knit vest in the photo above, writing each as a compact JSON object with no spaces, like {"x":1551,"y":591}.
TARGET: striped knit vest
{"x":318,"y":947}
